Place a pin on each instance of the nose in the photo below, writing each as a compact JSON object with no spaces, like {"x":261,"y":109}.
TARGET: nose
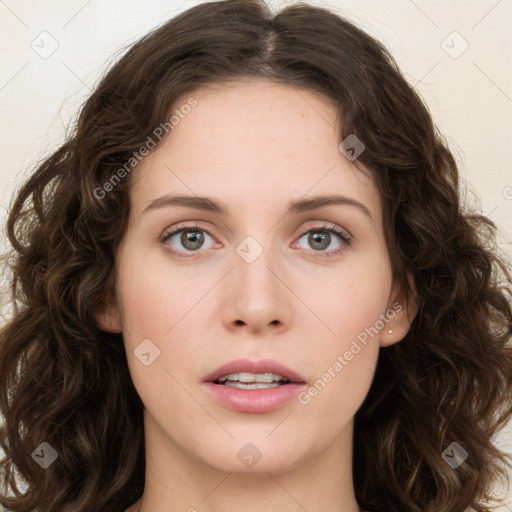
{"x":256,"y":295}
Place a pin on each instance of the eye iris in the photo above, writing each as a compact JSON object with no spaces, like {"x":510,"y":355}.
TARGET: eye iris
{"x":325,"y":238}
{"x":192,"y":239}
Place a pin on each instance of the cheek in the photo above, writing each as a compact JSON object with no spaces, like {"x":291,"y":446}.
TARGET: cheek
{"x":158,"y":312}
{"x":163,"y":306}
{"x":350,"y":298}
{"x":343,"y":361}
{"x":154,"y":297}
{"x":342,"y":366}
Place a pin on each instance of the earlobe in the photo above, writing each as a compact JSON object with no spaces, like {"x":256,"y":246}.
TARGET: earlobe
{"x":402,"y":311}
{"x":108,"y":318}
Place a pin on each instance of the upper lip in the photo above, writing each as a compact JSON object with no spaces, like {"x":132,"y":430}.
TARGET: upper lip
{"x":248,"y":366}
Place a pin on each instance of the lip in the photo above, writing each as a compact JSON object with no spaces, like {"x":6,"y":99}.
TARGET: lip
{"x":262,"y":366}
{"x":254,"y":400}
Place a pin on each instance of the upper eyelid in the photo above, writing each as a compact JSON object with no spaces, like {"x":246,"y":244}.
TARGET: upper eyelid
{"x":326,"y":226}
{"x":180,"y":227}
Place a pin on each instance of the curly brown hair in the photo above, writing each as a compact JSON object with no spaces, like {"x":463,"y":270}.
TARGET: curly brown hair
{"x":66,"y":382}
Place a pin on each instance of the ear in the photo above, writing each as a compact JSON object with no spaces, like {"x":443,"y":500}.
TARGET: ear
{"x":108,"y":317}
{"x":402,"y":308}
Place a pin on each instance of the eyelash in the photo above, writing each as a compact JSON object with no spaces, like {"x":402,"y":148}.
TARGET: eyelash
{"x":342,"y":235}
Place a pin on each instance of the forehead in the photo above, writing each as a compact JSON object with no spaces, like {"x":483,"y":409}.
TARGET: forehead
{"x":252,"y":141}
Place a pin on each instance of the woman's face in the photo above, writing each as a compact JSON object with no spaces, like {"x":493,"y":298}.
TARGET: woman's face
{"x":263,"y":279}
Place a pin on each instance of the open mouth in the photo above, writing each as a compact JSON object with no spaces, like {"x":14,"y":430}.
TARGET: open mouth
{"x":252,"y":380}
{"x":255,"y":387}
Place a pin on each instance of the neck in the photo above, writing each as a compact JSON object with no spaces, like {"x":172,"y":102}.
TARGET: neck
{"x":177,"y":480}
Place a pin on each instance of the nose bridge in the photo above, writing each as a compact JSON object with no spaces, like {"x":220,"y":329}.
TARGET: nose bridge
{"x":255,"y":257}
{"x":257,"y":297}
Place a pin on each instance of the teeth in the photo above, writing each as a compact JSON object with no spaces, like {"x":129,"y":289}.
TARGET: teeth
{"x":268,"y":378}
{"x":240,"y":385}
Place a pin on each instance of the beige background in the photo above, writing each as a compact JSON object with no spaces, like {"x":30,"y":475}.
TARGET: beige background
{"x":456,"y":54}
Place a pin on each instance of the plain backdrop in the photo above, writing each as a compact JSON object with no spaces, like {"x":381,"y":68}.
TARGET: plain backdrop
{"x":456,"y":54}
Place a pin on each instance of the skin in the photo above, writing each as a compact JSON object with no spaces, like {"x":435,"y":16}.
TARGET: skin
{"x":255,"y":146}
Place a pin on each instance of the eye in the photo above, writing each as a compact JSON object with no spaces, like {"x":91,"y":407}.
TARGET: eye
{"x":190,"y":238}
{"x":321,"y":238}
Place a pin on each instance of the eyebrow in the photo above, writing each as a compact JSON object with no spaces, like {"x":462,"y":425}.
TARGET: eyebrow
{"x":294,"y":207}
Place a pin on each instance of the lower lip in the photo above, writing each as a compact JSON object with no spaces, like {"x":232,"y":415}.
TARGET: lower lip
{"x":253,"y":400}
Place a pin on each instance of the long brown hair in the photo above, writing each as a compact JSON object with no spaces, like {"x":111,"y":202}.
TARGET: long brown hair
{"x":66,"y":383}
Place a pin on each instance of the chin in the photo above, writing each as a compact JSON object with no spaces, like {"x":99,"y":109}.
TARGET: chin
{"x":253,"y":455}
